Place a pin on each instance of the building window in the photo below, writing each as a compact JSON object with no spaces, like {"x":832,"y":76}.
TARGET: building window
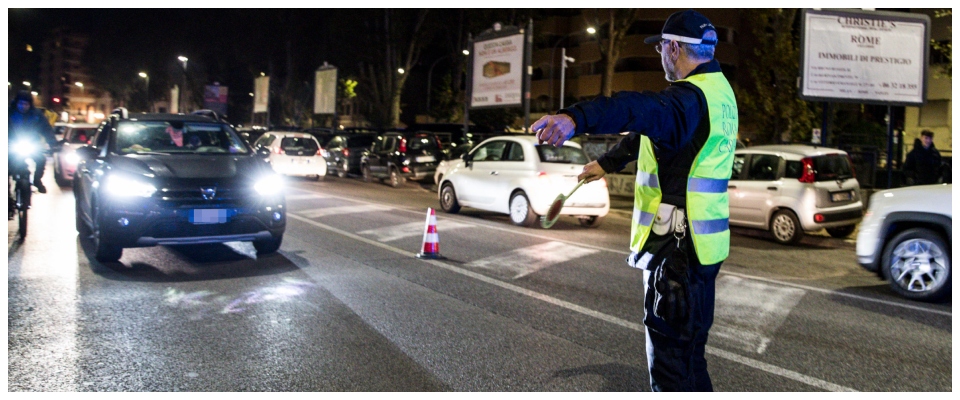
{"x":934,"y":113}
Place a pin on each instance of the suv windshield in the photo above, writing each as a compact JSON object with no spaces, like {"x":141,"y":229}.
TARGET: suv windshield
{"x":832,"y":167}
{"x":563,"y":155}
{"x":138,"y":137}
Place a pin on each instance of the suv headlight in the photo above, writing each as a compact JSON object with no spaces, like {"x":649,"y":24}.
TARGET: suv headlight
{"x":122,"y":186}
{"x":269,"y":185}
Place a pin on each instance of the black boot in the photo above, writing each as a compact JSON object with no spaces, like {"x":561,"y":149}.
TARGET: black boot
{"x":39,"y":185}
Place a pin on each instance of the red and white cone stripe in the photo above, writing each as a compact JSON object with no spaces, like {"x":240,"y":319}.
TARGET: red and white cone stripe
{"x":431,"y":239}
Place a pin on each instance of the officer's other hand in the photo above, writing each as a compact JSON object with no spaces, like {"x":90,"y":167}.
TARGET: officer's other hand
{"x":591,"y":172}
{"x":554,"y":129}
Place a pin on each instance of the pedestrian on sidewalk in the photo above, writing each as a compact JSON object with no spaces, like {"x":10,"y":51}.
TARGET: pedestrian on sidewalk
{"x":923,"y":164}
{"x":683,"y":140}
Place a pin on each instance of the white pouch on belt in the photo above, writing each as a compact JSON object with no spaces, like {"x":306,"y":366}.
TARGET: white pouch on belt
{"x":663,"y":222}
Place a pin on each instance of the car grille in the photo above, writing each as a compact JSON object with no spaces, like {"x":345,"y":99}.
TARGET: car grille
{"x":193,"y":196}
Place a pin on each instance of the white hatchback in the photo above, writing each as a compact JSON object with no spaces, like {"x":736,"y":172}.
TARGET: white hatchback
{"x":516,"y":176}
{"x":65,"y":161}
{"x":293,"y":153}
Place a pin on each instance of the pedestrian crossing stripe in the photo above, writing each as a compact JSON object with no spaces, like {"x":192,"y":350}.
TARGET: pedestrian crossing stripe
{"x":325,"y":211}
{"x":749,"y":312}
{"x":522,"y":262}
{"x":413,"y":229}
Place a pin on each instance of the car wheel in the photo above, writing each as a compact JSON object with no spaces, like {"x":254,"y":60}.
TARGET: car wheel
{"x":267,"y":246}
{"x":318,"y":177}
{"x":104,"y":250}
{"x":916,"y":262}
{"x":395,"y":179}
{"x":785,"y":227}
{"x":520,"y":211}
{"x":841,"y":232}
{"x":343,"y":169}
{"x":448,"y":199}
{"x":82,"y":227}
{"x":367,"y":177}
{"x":590,"y":221}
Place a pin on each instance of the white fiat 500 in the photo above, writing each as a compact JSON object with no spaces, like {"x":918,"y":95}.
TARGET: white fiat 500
{"x":293,"y":153}
{"x":516,"y":176}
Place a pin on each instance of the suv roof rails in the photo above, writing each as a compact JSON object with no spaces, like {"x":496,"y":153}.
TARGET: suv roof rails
{"x":210,"y":114}
{"x":120,"y":112}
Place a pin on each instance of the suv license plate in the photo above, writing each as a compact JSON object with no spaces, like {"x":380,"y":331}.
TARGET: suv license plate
{"x":423,"y":159}
{"x":208,"y":216}
{"x":840,"y":196}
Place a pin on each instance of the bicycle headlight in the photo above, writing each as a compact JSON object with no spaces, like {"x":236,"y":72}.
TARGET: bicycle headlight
{"x":24,"y":148}
{"x":122,"y":186}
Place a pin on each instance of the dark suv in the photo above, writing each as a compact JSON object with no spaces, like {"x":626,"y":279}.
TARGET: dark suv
{"x":402,"y":155}
{"x":169,"y":179}
{"x":345,"y":151}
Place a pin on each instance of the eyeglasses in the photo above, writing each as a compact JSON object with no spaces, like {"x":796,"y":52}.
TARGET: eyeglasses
{"x":660,"y":46}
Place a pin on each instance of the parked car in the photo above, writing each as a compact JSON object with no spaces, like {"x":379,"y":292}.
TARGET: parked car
{"x":293,"y":153}
{"x":398,"y":156}
{"x":65,"y":160}
{"x":58,"y":129}
{"x":171,"y":179}
{"x":516,"y":176}
{"x":345,"y":151}
{"x":906,"y":239}
{"x":792,"y":189}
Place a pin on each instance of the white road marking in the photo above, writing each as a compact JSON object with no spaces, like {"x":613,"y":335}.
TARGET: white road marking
{"x":323,"y":212}
{"x":749,"y":312}
{"x":311,"y":196}
{"x":773,"y":369}
{"x":522,"y":262}
{"x":413,"y":229}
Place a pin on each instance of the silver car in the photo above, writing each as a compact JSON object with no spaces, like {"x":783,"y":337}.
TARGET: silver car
{"x":792,"y":189}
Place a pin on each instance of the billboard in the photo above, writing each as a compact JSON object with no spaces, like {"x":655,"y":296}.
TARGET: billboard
{"x":215,"y":98}
{"x":864,"y":56}
{"x":325,"y":91}
{"x":497,"y":79}
{"x":261,"y":94}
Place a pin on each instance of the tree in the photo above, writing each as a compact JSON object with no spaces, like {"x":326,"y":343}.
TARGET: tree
{"x":770,"y":98}
{"x":618,"y":21}
{"x":944,"y":48}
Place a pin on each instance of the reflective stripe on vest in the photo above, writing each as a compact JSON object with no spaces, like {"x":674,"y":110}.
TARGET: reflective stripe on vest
{"x":708,"y":205}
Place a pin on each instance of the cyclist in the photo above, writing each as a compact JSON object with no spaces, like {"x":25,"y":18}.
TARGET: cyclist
{"x":28,"y":122}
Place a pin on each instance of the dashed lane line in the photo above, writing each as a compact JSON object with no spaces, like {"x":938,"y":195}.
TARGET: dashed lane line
{"x":757,"y":364}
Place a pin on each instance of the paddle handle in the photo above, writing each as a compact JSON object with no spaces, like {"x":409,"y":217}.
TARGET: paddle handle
{"x":582,"y":181}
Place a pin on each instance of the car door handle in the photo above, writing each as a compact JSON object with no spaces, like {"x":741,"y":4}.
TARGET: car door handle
{"x":772,"y":188}
{"x":732,"y":187}
{"x":494,"y":173}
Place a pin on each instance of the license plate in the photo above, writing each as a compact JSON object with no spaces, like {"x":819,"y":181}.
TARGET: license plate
{"x":426,"y":159}
{"x":840,"y":196}
{"x":208,"y":216}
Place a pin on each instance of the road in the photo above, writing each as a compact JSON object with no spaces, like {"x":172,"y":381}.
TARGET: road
{"x":345,"y":306}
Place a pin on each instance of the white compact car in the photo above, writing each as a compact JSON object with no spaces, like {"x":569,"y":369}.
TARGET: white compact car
{"x":905,"y":238}
{"x":65,"y":161}
{"x":293,"y":153}
{"x":516,"y":176}
{"x":790,"y":189}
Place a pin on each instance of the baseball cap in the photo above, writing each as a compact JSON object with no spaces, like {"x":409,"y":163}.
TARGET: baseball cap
{"x":685,"y":26}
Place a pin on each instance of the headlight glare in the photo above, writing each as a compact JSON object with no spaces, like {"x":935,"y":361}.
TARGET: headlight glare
{"x":24,"y":148}
{"x":122,"y":186}
{"x":71,"y":158}
{"x":269,"y":185}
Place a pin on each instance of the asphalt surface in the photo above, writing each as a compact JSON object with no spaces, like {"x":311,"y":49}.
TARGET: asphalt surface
{"x":345,"y":306}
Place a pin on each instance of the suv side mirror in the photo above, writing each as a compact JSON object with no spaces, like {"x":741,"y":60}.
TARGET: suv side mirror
{"x":87,"y":153}
{"x":467,"y":158}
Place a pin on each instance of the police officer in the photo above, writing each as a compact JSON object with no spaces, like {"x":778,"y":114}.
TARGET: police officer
{"x":683,"y":140}
{"x":26,"y":121}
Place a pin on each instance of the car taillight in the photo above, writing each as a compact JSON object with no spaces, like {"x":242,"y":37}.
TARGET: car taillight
{"x":541,"y":174}
{"x":280,"y":150}
{"x":322,"y":153}
{"x":853,"y":171}
{"x":439,"y":145}
{"x":604,"y":180}
{"x":403,"y":145}
{"x":808,"y":175}
{"x":346,"y":152}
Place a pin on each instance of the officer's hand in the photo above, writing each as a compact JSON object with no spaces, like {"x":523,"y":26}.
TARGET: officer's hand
{"x":591,"y":172}
{"x":554,"y":129}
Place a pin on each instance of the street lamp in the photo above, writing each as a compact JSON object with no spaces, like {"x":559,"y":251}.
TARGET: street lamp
{"x":183,"y":62}
{"x":590,"y":30}
{"x":79,"y":85}
{"x":401,"y":71}
{"x":563,"y":71}
{"x":430,"y":73}
{"x":26,"y":83}
{"x":147,"y":77}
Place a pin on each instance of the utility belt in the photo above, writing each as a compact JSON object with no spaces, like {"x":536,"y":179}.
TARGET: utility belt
{"x":670,"y":219}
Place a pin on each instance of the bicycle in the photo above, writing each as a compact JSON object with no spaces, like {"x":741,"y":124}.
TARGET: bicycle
{"x":19,"y":183}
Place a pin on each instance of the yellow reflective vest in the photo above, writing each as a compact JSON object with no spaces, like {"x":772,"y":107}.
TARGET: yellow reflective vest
{"x":708,"y":205}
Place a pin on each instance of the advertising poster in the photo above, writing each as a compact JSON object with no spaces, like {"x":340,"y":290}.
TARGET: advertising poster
{"x":215,"y":98}
{"x":261,"y":94}
{"x":498,"y":72}
{"x":325,"y":91}
{"x":878,"y":58}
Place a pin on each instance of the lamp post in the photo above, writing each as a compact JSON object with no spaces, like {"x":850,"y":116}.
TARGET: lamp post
{"x":147,"y":78}
{"x":183,"y":62}
{"x":430,"y":73}
{"x":590,"y":30}
{"x":563,"y":71}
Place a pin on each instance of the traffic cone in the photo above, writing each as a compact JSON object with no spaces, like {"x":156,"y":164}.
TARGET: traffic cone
{"x":431,"y":240}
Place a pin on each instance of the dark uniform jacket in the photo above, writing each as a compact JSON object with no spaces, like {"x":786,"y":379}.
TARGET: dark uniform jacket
{"x":676,"y":120}
{"x":922,"y":165}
